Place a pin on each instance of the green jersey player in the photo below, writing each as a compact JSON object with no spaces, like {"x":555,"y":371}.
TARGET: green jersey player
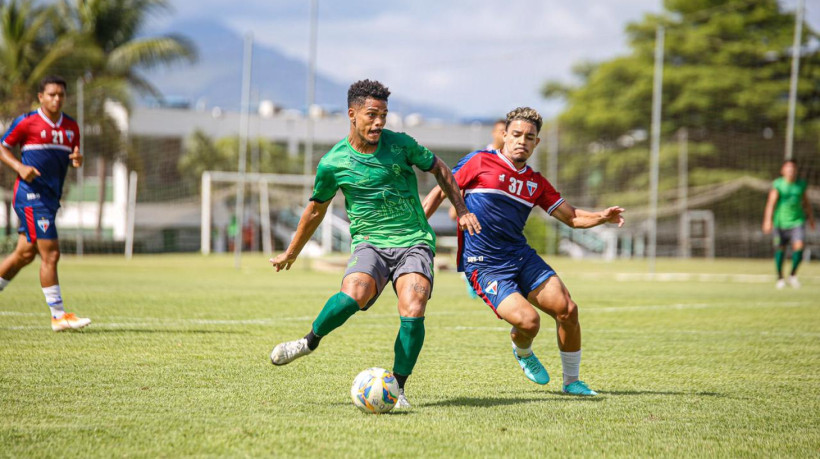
{"x":391,"y":239}
{"x":787,"y":211}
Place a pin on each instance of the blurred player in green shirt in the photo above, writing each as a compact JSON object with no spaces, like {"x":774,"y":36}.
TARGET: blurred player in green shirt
{"x":391,"y":239}
{"x":787,"y":210}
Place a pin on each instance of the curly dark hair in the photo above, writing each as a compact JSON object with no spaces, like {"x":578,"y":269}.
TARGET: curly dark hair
{"x":362,"y":89}
{"x":525,"y":114}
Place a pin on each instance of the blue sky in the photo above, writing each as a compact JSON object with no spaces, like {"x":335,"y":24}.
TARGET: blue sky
{"x":480,"y":58}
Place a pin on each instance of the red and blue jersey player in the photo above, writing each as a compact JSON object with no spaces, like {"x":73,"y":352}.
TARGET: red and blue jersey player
{"x":501,"y":190}
{"x":49,"y":142}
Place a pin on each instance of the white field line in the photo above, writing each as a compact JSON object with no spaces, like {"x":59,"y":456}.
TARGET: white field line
{"x":131,"y":321}
{"x":695,"y":277}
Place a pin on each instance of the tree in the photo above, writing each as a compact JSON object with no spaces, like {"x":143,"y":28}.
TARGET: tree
{"x":30,"y":46}
{"x":202,"y":153}
{"x":726,"y":79}
{"x":112,"y":28}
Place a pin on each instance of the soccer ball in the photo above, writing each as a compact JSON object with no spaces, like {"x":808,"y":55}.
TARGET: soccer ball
{"x":375,"y":390}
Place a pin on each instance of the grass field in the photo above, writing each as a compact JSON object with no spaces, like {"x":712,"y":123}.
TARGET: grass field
{"x":706,"y":360}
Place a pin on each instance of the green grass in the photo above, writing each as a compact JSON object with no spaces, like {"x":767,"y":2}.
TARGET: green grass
{"x":176,"y":364}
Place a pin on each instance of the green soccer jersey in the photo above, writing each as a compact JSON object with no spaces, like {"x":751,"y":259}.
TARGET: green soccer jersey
{"x":380,"y":189}
{"x":788,"y":212}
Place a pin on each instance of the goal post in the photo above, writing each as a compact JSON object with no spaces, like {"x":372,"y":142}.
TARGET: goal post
{"x":261,"y":184}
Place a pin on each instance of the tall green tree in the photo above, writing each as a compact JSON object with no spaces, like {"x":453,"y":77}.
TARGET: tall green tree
{"x":726,"y":79}
{"x":113,"y":28}
{"x":30,"y":45}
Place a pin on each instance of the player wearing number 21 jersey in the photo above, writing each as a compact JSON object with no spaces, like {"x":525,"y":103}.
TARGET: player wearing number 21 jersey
{"x":501,"y":190}
{"x":49,"y":141}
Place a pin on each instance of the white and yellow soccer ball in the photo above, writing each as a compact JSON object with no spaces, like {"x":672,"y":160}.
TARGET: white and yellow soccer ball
{"x":375,"y":390}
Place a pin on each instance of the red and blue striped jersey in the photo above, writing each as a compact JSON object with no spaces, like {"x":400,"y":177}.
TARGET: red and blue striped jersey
{"x":45,"y":145}
{"x":501,"y":197}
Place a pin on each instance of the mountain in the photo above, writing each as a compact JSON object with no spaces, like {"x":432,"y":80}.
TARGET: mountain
{"x":216,"y":79}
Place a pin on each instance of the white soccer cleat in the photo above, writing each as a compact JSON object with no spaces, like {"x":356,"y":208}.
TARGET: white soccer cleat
{"x":289,"y":351}
{"x":69,"y":322}
{"x":794,"y":282}
{"x":402,"y":402}
{"x":781,"y":284}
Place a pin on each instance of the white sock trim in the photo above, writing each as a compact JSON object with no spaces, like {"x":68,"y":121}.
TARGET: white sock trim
{"x":571,"y":363}
{"x":522,"y":352}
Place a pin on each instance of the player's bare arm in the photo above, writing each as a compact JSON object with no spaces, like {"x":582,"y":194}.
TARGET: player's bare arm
{"x":466,"y":220}
{"x":432,"y":201}
{"x":768,"y":214}
{"x":311,"y":218}
{"x":27,"y":173}
{"x":580,"y":218}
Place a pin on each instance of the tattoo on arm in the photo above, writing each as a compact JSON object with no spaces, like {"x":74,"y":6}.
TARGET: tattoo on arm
{"x":449,"y":186}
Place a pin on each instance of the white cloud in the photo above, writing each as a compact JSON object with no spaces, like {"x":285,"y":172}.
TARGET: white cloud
{"x":477,"y":57}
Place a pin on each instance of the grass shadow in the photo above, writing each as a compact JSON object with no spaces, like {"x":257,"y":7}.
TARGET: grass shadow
{"x":655,"y":392}
{"x":485,"y":402}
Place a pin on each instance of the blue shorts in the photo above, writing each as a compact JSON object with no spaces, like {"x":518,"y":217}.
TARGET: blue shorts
{"x":36,"y":222}
{"x":523,"y":275}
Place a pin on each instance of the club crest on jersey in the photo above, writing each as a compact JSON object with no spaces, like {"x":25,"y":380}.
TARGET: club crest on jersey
{"x":43,"y":223}
{"x":69,"y":134}
{"x":531,"y":187}
{"x":492,"y":288}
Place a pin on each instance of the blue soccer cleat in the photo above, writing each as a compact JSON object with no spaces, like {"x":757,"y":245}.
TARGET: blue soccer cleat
{"x":533,"y":369}
{"x":579,"y":388}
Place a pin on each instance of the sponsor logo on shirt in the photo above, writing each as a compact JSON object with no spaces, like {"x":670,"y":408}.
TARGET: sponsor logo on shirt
{"x":70,"y":136}
{"x":33,"y":196}
{"x":43,"y":134}
{"x":492,"y":288}
{"x":475,"y":259}
{"x":43,"y":223}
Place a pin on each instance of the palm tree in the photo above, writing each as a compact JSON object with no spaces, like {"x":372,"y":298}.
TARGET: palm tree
{"x":112,"y":28}
{"x":31,"y":45}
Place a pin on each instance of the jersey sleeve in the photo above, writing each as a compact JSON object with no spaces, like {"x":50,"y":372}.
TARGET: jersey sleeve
{"x":76,"y":141}
{"x":15,"y":134}
{"x":549,"y":199}
{"x":463,"y":161}
{"x":466,"y":171}
{"x":419,"y":156}
{"x":325,"y":184}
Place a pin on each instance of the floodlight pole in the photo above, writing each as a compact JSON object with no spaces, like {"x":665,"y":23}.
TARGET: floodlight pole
{"x":657,"y":92}
{"x":80,"y":175}
{"x":552,"y":176}
{"x":311,"y":93}
{"x":243,"y":148}
{"x":684,"y":245}
{"x":798,"y":39}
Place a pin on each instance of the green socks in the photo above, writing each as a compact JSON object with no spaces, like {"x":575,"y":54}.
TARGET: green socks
{"x":408,"y":345}
{"x":337,"y":310}
{"x":778,"y":263}
{"x":797,"y":257}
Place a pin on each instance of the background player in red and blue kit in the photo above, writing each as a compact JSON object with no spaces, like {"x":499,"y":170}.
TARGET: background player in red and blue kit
{"x":501,"y":190}
{"x":49,"y":141}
